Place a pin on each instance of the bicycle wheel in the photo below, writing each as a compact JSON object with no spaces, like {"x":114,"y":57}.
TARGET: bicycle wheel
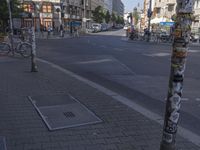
{"x":25,"y":50}
{"x":4,"y":48}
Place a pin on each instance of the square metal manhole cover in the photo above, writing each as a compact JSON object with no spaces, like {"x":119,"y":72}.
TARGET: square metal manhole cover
{"x":62,"y":111}
{"x":2,"y":143}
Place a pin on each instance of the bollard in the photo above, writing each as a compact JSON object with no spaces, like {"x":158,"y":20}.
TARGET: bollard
{"x":33,"y":52}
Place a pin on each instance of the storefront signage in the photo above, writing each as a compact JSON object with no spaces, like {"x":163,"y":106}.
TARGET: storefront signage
{"x":46,"y":15}
{"x":51,"y":1}
{"x":169,"y":24}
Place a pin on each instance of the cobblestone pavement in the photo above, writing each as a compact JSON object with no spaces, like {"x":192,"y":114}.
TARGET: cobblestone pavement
{"x":122,"y":128}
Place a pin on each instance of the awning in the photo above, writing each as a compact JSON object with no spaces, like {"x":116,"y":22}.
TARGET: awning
{"x":161,"y":19}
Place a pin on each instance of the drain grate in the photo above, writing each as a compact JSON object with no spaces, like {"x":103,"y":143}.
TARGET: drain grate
{"x":2,"y":143}
{"x":69,"y":114}
{"x":62,"y":111}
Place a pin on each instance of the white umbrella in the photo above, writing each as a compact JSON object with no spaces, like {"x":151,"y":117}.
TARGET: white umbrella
{"x":161,"y":19}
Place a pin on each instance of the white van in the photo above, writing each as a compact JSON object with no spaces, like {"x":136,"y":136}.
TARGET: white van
{"x":96,"y":27}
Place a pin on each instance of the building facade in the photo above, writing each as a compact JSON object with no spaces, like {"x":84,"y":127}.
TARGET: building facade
{"x":96,"y":3}
{"x":196,"y":23}
{"x":53,"y":13}
{"x":118,"y":8}
{"x":164,"y":8}
{"x":108,"y":5}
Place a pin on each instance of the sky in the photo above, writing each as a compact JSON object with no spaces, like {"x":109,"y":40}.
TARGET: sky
{"x":130,"y":4}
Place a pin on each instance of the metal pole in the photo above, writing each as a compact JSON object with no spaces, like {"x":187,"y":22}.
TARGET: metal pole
{"x":84,"y":16}
{"x":11,"y":26}
{"x":183,"y":21}
{"x":149,"y":21}
{"x":33,"y":52}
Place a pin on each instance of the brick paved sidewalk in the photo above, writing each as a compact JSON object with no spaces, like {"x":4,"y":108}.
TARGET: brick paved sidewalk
{"x":122,"y":128}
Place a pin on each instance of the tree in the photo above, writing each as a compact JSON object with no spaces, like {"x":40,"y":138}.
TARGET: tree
{"x":113,"y":17}
{"x":4,"y":12}
{"x":107,"y":17}
{"x":182,"y":30}
{"x":135,"y":16}
{"x":98,"y":14}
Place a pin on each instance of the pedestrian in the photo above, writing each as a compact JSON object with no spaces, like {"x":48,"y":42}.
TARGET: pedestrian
{"x":61,"y":31}
{"x":48,"y":31}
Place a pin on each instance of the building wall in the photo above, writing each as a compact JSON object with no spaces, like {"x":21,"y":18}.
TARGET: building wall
{"x":96,"y":3}
{"x":118,"y":8}
{"x":165,"y":8}
{"x":108,"y":5}
{"x":61,"y":12}
{"x":196,"y":23}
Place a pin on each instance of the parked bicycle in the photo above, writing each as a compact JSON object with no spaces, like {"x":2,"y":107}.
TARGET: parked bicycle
{"x":19,"y":46}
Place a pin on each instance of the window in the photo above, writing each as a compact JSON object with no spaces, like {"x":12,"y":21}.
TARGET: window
{"x":27,"y":7}
{"x":46,"y":8}
{"x":158,"y":10}
{"x":171,"y":8}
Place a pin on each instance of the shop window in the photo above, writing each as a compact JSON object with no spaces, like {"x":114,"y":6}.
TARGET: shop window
{"x":27,"y":7}
{"x":171,"y":8}
{"x":46,"y":8}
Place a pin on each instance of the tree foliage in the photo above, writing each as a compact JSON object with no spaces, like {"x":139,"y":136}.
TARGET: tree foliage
{"x":107,"y":17}
{"x":4,"y":12}
{"x":135,"y":16}
{"x":98,"y":14}
{"x":113,"y":17}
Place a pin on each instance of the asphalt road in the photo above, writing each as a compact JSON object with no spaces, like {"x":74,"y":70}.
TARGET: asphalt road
{"x":134,"y":69}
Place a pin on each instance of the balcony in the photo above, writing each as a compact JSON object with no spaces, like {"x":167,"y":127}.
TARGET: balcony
{"x":197,"y":11}
{"x":171,"y":2}
{"x":158,"y":5}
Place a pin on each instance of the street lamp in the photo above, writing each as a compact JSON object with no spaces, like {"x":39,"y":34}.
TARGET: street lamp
{"x":11,"y":25}
{"x":84,"y":16}
{"x":149,"y":14}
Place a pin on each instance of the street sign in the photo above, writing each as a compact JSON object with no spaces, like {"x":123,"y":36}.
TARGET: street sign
{"x":169,"y":24}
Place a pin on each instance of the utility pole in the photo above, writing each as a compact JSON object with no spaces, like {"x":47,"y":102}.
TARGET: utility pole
{"x":183,"y":21}
{"x":11,"y":26}
{"x":33,"y":44}
{"x":149,"y":14}
{"x":84,"y":16}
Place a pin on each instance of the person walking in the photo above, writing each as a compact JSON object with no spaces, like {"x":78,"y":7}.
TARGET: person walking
{"x":48,"y":32}
{"x":61,"y":31}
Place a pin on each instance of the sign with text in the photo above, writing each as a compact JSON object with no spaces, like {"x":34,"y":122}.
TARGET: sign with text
{"x":51,"y":1}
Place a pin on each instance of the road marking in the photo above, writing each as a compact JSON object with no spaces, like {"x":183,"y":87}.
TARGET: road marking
{"x":158,"y":54}
{"x":94,"y":61}
{"x":185,"y":99}
{"x":118,"y":49}
{"x":185,"y":133}
{"x":194,"y":51}
{"x":103,"y":46}
{"x":197,"y":99}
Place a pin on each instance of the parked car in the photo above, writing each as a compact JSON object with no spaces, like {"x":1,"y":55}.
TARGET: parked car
{"x":164,"y":36}
{"x":194,"y":38}
{"x":91,"y":30}
{"x":96,"y":27}
{"x":126,"y":27}
{"x":104,"y":27}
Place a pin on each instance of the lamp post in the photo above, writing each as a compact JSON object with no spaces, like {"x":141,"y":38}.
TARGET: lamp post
{"x":11,"y":25}
{"x":84,"y":16}
{"x":149,"y":14}
{"x":183,"y":21}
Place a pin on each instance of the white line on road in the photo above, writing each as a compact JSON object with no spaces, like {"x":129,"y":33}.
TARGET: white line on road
{"x":197,"y":99}
{"x":94,"y":61}
{"x":158,"y":54}
{"x":118,"y":49}
{"x":194,"y":51}
{"x":103,"y":46}
{"x":185,"y":99}
{"x":185,"y":133}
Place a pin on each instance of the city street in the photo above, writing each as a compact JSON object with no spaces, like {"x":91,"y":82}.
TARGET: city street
{"x":136,"y":70}
{"x":95,"y":92}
